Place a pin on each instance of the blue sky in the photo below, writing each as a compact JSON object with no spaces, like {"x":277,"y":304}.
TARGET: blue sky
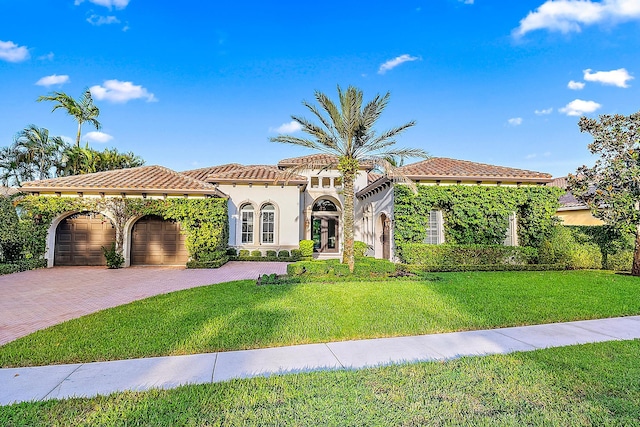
{"x":191,"y":84}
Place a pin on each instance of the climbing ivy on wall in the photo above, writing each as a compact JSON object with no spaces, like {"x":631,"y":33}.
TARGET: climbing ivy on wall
{"x":204,"y":221}
{"x":475,"y":214}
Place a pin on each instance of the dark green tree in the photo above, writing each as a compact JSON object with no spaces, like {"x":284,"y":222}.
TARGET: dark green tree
{"x":611,"y":188}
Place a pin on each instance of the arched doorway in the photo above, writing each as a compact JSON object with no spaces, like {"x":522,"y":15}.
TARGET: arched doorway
{"x":325,"y":226}
{"x":80,"y":238}
{"x":157,"y":241}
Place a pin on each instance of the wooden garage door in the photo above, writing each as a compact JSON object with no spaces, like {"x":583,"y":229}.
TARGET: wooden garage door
{"x":79,"y":240}
{"x":156,"y":241}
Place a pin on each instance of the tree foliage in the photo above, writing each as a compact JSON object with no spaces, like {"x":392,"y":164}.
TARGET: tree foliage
{"x":347,"y":130}
{"x":82,"y":110}
{"x":611,"y":188}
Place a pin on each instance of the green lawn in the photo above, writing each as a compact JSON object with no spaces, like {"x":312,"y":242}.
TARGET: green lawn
{"x":590,"y":385}
{"x":241,"y":315}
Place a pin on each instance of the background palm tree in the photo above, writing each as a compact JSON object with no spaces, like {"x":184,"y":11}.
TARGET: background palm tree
{"x":347,"y":131}
{"x":39,"y":153}
{"x":83,"y":109}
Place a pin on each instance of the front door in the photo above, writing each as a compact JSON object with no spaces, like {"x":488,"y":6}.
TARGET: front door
{"x":324,"y":233}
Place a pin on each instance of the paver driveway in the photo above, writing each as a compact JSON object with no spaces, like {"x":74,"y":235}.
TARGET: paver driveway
{"x":37,"y":299}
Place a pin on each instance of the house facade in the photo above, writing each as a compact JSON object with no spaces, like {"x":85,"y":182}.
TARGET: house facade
{"x":267,"y":208}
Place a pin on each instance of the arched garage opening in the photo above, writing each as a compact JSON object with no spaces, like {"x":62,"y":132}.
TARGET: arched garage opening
{"x":80,"y":238}
{"x":157,"y":241}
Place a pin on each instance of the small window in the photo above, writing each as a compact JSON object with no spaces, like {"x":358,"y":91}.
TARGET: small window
{"x":326,"y":182}
{"x":511,"y":237}
{"x":435,"y":228}
{"x":268,"y":224}
{"x":337,"y":182}
{"x":246,"y":215}
{"x":315,"y":182}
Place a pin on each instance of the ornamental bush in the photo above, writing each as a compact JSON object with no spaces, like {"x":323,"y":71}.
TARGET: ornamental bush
{"x":271,"y":254}
{"x":448,"y":255}
{"x":10,"y":238}
{"x":256,"y":253}
{"x":562,"y":247}
{"x":283,"y":254}
{"x":306,"y":248}
{"x":359,"y":249}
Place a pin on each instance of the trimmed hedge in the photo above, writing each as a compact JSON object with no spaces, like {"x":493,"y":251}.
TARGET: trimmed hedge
{"x":453,"y":255}
{"x":208,"y":264}
{"x":22,"y":265}
{"x":416,"y":269}
{"x":364,"y":267}
{"x":306,"y":248}
{"x":564,"y":248}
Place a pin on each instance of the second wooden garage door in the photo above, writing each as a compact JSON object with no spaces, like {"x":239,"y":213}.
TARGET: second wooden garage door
{"x":156,"y":241}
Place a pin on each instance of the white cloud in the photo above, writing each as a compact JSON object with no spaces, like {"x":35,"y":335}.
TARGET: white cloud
{"x":117,"y":91}
{"x":618,"y":77}
{"x":578,"y":107}
{"x":53,"y":79}
{"x":573,"y":85}
{"x":516,"y":121}
{"x":118,"y":4}
{"x":467,"y":1}
{"x":99,"y":137}
{"x":543,"y":112}
{"x":11,"y":52}
{"x":48,"y":57}
{"x":102,"y":20}
{"x":393,"y":63}
{"x":571,"y":15}
{"x":290,"y":127}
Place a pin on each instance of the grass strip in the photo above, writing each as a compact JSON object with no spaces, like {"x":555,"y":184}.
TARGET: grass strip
{"x":587,"y":385}
{"x":241,"y":315}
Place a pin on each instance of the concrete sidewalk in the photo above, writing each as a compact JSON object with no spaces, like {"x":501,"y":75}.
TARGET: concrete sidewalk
{"x":102,"y":378}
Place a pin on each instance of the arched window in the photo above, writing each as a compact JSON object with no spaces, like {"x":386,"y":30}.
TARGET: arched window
{"x":324,"y":205}
{"x":268,"y":224}
{"x":246,"y":218}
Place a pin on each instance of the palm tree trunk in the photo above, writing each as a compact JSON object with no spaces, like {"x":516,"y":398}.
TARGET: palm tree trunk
{"x":347,"y":217}
{"x":79,"y":131}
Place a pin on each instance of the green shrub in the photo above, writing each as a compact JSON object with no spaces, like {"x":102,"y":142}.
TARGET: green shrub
{"x":359,"y":249}
{"x":296,"y":254}
{"x":417,"y":269}
{"x":306,"y":248}
{"x":243,"y":252}
{"x":620,"y":261}
{"x":232,"y":252}
{"x":283,"y":254}
{"x":564,"y":247}
{"x":11,"y":244}
{"x":272,"y":254}
{"x":364,"y":267}
{"x":256,"y":253}
{"x":22,"y":265}
{"x":295,"y":269}
{"x":207,"y":264}
{"x":373,"y":267}
{"x":445,"y":255}
{"x":114,"y":258}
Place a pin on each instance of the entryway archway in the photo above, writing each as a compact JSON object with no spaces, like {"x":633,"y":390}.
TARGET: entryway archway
{"x":325,"y":226}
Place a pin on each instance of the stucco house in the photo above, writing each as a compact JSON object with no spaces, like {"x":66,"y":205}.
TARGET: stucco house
{"x":265,"y":210}
{"x":572,"y":211}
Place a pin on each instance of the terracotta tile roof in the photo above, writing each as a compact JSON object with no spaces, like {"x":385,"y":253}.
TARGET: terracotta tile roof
{"x":372,"y":177}
{"x":452,"y":169}
{"x":317,"y":161}
{"x":255,"y":174}
{"x":147,"y":179}
{"x":560,"y":182}
{"x":8,"y":191}
{"x":203,"y":173}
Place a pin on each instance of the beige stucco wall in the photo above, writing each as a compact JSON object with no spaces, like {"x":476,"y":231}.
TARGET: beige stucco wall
{"x":286,"y":200}
{"x":578,"y":217}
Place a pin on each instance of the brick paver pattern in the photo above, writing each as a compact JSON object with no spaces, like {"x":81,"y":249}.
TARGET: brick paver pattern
{"x":37,"y":299}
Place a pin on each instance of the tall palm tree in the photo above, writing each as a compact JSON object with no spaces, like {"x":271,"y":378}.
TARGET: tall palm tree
{"x":38,"y":152}
{"x":347,"y":131}
{"x":83,"y":109}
